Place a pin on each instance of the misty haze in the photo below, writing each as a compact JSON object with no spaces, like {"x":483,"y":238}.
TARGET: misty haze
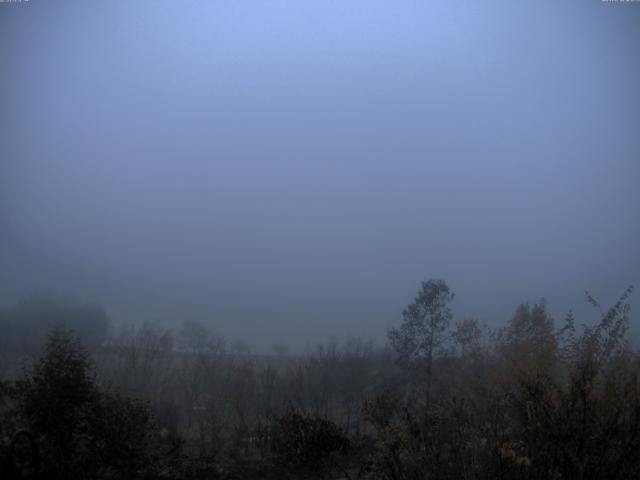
{"x":320,"y":239}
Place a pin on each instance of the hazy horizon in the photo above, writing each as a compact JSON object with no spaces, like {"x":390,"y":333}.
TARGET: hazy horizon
{"x":289,"y":171}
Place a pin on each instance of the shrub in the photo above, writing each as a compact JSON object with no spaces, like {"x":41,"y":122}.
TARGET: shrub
{"x":81,"y":431}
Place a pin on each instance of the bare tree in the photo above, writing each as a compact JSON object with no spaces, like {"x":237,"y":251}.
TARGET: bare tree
{"x":354,"y":377}
{"x":141,"y":361}
{"x":422,"y":332}
{"x":199,"y":364}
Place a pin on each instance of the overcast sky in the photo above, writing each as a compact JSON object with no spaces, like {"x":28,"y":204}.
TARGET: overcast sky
{"x":289,"y":170}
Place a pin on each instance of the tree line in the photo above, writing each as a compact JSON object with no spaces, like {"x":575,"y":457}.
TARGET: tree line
{"x":444,"y":399}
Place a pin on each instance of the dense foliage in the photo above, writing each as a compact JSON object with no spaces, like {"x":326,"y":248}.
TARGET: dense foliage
{"x":79,"y":431}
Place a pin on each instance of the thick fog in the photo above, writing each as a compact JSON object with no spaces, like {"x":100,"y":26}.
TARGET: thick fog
{"x":290,"y":170}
